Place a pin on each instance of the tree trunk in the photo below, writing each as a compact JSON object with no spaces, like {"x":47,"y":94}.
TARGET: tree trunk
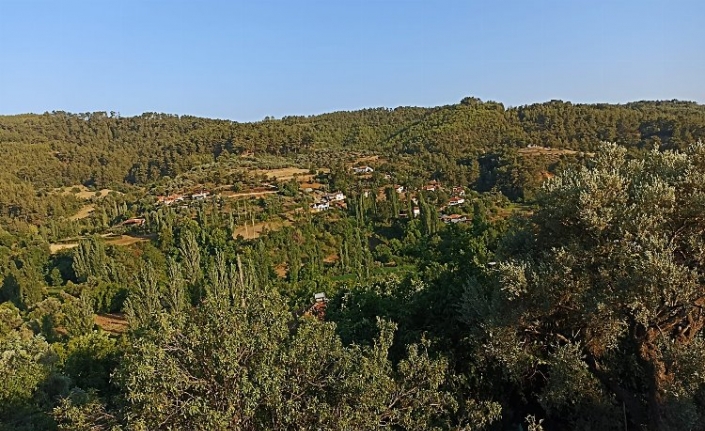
{"x":658,"y":377}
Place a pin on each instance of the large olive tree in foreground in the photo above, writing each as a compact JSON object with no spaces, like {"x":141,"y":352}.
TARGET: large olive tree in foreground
{"x":599,"y":303}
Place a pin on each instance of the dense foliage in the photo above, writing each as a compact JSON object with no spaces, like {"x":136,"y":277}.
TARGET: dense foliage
{"x":498,"y":268}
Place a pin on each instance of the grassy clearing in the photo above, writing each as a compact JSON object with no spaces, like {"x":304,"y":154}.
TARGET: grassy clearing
{"x":253,"y":231}
{"x":84,"y":193}
{"x":281,"y":174}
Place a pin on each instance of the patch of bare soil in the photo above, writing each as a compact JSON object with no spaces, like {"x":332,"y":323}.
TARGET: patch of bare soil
{"x":84,"y":212}
{"x":281,"y":270}
{"x":314,"y":186}
{"x":331,"y":258}
{"x":57,"y":247}
{"x":113,"y":323}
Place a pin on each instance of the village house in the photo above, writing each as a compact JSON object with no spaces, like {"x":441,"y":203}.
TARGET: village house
{"x":334,"y":197}
{"x":363,"y":170}
{"x":320,"y":206}
{"x":453,"y":218}
{"x":199,"y":196}
{"x":399,"y":189}
{"x":168,"y":200}
{"x":318,"y":309}
{"x":134,"y":222}
{"x":415,"y":212}
{"x":432,"y":186}
{"x":458,"y":191}
{"x":456,"y":201}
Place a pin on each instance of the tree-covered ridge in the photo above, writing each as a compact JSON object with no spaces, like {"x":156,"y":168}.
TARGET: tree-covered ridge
{"x":105,"y":149}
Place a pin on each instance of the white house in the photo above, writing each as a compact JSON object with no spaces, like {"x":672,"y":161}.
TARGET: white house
{"x":334,"y":197}
{"x":320,"y":206}
{"x":363,"y":170}
{"x":456,"y":201}
{"x":199,"y":196}
{"x":453,"y":218}
{"x":399,"y":189}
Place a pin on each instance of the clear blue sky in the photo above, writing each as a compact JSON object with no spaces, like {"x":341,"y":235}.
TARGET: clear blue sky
{"x":246,"y":60}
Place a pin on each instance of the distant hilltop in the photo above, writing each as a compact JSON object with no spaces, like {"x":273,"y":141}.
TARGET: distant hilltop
{"x":104,"y":149}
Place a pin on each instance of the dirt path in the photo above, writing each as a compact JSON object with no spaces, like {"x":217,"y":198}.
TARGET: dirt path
{"x":253,"y":193}
{"x":122,"y":240}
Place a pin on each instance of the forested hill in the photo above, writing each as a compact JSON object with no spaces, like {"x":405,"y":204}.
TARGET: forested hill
{"x":405,"y":269}
{"x":104,"y":149}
